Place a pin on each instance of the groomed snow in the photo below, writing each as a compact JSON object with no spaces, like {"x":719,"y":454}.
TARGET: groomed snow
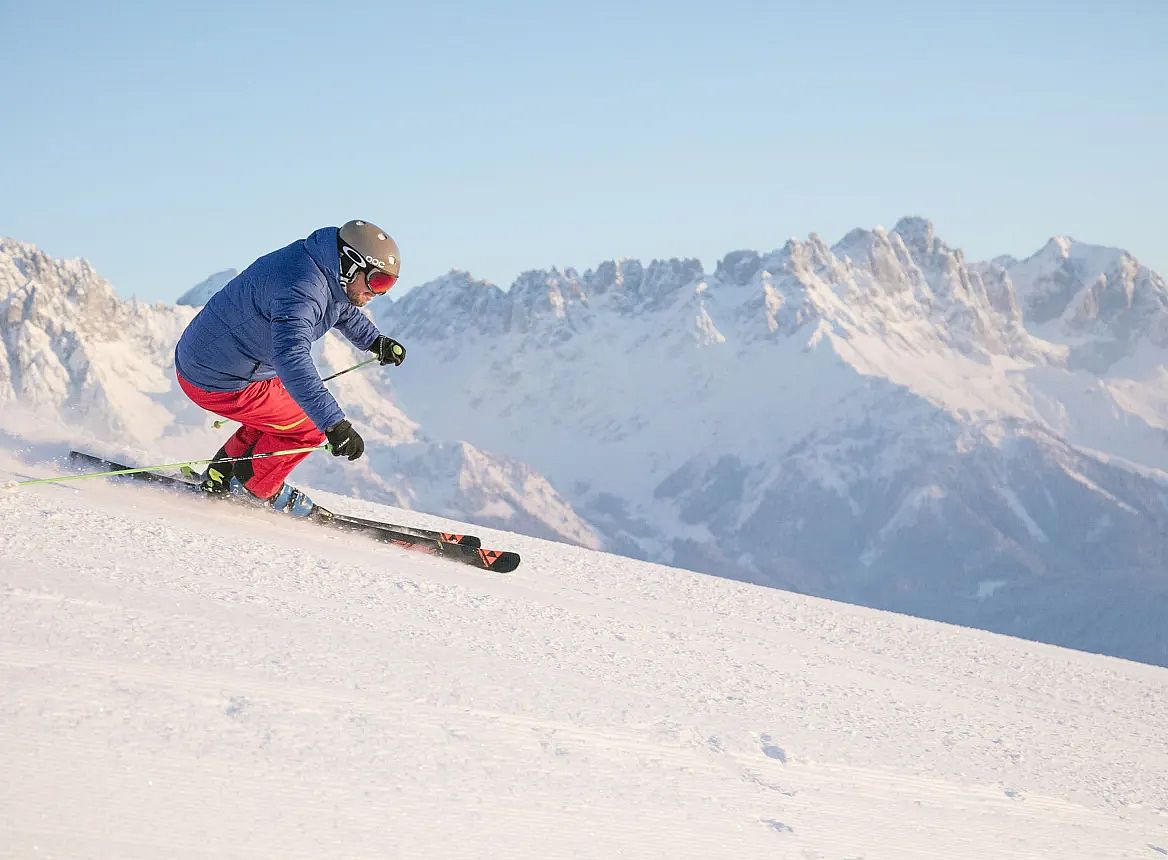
{"x":184,"y":680}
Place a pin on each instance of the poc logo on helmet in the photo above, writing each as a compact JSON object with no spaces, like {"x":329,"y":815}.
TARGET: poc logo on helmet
{"x":371,"y":259}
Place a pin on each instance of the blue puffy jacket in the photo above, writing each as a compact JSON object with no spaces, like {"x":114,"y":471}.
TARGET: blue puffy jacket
{"x":264,"y":321}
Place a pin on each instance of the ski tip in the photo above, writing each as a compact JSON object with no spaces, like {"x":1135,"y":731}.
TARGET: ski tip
{"x":499,"y":561}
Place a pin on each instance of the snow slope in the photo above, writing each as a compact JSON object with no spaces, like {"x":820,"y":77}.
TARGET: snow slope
{"x":186,"y":680}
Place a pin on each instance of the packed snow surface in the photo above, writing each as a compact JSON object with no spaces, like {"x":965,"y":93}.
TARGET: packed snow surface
{"x":185,"y":679}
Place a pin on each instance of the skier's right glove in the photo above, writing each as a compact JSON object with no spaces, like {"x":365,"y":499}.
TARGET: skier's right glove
{"x":345,"y":441}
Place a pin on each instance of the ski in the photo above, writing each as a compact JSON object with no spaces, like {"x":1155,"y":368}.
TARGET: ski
{"x":447,"y":537}
{"x":188,"y":480}
{"x":499,"y":561}
{"x":406,"y":537}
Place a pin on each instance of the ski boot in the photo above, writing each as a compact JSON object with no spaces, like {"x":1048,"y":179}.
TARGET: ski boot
{"x":216,"y":478}
{"x":290,"y":500}
{"x":287,"y":500}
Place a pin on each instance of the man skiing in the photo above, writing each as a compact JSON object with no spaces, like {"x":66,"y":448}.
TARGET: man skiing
{"x":245,"y":356}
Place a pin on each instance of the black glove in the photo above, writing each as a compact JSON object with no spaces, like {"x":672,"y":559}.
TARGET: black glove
{"x":388,"y":351}
{"x":345,"y":441}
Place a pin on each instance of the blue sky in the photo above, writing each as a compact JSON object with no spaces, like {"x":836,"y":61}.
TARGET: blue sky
{"x":164,"y":142}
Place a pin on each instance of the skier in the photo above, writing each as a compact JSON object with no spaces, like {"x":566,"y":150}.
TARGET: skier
{"x":245,"y":356}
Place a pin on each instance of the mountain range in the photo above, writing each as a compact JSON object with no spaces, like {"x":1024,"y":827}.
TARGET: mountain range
{"x":878,"y":421}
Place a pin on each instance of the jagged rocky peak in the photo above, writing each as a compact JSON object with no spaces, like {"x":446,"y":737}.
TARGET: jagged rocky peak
{"x":943,"y":268}
{"x":539,"y":293}
{"x":25,"y":262}
{"x":817,"y":252}
{"x":859,"y":242}
{"x":892,"y":256}
{"x":919,"y":236}
{"x":27,"y":265}
{"x":665,"y":277}
{"x":445,"y":307}
{"x":538,"y":281}
{"x":994,"y":281}
{"x":19,"y":254}
{"x":1059,"y":247}
{"x":884,"y":255}
{"x":461,"y":285}
{"x":800,"y":256}
{"x":35,"y":287}
{"x":624,"y":275}
{"x":738,"y":267}
{"x":1089,"y":287}
{"x":70,"y":343}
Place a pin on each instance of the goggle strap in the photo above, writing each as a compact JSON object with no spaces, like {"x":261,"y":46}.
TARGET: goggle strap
{"x":357,"y":261}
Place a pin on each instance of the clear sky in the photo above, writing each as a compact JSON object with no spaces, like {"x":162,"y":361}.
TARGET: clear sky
{"x":166,"y":141}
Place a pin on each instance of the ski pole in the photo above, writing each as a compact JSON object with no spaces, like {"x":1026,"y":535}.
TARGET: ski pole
{"x":347,"y":369}
{"x":220,"y":422}
{"x":12,"y":485}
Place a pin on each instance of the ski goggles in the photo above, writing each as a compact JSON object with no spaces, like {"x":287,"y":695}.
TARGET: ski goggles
{"x":380,"y":282}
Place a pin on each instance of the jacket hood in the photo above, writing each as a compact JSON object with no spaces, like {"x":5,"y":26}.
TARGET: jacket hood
{"x":321,"y":245}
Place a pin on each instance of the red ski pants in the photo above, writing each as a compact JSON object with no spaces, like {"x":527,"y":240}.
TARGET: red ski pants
{"x":272,"y":421}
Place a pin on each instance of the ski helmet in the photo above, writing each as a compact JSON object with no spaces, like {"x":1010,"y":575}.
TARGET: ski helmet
{"x":366,"y":247}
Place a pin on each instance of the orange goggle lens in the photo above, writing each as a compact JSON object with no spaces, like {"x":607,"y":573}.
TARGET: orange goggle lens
{"x":381,"y":282}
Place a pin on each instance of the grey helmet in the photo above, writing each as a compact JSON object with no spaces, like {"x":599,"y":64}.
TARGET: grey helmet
{"x":362,"y":246}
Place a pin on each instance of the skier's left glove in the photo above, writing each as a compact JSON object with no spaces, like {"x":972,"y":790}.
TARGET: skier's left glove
{"x":388,"y":351}
{"x":345,"y":441}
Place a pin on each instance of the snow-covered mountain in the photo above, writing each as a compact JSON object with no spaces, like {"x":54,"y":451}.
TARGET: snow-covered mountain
{"x":201,"y":293}
{"x":878,"y":421}
{"x":289,"y":694}
{"x":1099,"y":302}
{"x":78,"y":362}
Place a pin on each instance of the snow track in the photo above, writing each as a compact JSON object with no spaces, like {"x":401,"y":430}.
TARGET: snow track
{"x":181,"y":680}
